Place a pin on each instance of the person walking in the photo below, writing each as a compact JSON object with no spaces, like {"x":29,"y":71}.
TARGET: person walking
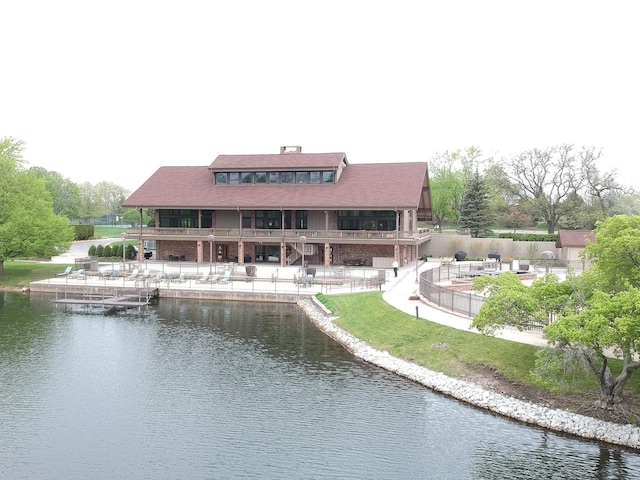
{"x":395,"y":268}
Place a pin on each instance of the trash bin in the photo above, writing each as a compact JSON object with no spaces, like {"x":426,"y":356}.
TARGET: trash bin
{"x":495,"y":255}
{"x":251,"y":270}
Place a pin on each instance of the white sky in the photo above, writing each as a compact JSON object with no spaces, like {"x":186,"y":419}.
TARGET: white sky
{"x":113,"y":90}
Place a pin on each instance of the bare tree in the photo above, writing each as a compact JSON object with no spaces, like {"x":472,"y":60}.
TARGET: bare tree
{"x":542,"y":179}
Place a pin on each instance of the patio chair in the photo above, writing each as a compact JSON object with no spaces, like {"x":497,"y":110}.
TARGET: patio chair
{"x":203,"y":279}
{"x":80,"y":274}
{"x":180,"y":278}
{"x":133,"y":275}
{"x":226,"y":277}
{"x":66,"y":272}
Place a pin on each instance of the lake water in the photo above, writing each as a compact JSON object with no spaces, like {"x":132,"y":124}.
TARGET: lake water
{"x":210,"y":390}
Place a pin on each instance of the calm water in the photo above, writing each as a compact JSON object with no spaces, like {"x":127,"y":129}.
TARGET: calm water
{"x":196,"y":390}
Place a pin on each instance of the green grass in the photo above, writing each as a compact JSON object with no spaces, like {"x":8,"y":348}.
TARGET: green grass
{"x":19,"y":273}
{"x":101,"y":231}
{"x":371,"y":319}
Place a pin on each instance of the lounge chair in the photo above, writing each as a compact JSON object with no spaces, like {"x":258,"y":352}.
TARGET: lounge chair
{"x":66,"y":272}
{"x":133,"y":275}
{"x":80,"y":274}
{"x":104,"y":273}
{"x":203,"y":279}
{"x":226,"y":277}
{"x":180,"y":278}
{"x":158,"y":278}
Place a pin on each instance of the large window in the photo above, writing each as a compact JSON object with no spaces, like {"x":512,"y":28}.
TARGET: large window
{"x":286,"y":177}
{"x":384,"y":220}
{"x":176,"y":218}
{"x":269,"y":219}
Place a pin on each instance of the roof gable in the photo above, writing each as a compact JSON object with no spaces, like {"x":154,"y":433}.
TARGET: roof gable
{"x":574,"y":238}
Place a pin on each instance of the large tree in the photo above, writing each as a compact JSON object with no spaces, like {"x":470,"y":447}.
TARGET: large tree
{"x":475,"y":213}
{"x":547,"y":181}
{"x":64,"y":192}
{"x":449,"y":173}
{"x":596,"y":314}
{"x":28,"y":225}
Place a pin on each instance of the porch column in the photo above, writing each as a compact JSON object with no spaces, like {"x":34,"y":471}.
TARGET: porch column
{"x":240,"y":252}
{"x":283,"y":253}
{"x":327,"y":255}
{"x":396,"y":254}
{"x":199,"y":252}
{"x":141,"y":250}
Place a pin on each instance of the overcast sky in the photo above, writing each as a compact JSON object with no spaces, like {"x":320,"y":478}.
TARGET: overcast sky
{"x":113,"y":90}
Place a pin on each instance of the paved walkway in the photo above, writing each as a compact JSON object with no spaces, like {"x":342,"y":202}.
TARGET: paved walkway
{"x":400,"y":290}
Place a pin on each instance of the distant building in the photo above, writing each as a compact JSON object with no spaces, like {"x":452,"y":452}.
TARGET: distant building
{"x":571,"y":243}
{"x":273,"y":207}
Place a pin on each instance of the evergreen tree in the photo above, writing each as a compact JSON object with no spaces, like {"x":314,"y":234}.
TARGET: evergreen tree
{"x":475,"y":213}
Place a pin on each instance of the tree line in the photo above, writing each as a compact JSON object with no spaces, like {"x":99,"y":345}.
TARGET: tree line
{"x":557,"y":187}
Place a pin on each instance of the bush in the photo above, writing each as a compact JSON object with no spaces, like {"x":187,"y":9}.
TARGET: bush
{"x":84,"y":231}
{"x":530,"y":237}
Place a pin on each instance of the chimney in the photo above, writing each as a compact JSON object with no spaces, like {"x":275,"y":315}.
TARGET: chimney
{"x":291,"y":149}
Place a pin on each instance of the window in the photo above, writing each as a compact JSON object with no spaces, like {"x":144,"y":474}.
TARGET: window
{"x":174,"y":218}
{"x":302,"y":177}
{"x":302,"y":221}
{"x":261,"y":177}
{"x":247,"y":177}
{"x":328,"y":177}
{"x":286,"y":177}
{"x":246,"y":218}
{"x":269,"y":219}
{"x":382,"y":220}
{"x":314,"y":177}
{"x":222,"y":178}
{"x":274,"y":177}
{"x":234,"y":178}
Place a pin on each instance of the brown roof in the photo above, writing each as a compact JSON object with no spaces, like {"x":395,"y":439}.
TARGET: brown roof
{"x":282,"y":161}
{"x":574,"y":238}
{"x":381,"y":186}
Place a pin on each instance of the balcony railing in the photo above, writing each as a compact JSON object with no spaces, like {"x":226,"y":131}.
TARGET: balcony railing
{"x":290,"y":236}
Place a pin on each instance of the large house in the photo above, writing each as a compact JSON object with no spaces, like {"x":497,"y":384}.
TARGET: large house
{"x":279,"y":208}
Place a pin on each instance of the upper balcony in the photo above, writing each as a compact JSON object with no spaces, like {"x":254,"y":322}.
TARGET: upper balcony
{"x":288,"y":236}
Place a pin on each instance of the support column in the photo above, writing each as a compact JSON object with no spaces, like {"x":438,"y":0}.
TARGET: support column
{"x":283,"y":253}
{"x":199,"y":252}
{"x":327,"y":255}
{"x":396,"y":254}
{"x":240,"y":252}
{"x":141,"y":250}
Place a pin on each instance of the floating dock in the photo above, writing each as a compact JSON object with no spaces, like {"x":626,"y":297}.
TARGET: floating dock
{"x":122,"y":298}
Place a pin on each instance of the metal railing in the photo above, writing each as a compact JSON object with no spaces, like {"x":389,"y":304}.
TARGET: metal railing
{"x":286,"y":235}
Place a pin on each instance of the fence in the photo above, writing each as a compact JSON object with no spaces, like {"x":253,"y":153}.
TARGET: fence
{"x":463,"y":302}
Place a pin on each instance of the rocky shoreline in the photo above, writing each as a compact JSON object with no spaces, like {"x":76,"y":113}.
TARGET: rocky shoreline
{"x":527,"y":412}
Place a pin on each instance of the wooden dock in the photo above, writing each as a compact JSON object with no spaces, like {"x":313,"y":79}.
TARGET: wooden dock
{"x":124,"y":298}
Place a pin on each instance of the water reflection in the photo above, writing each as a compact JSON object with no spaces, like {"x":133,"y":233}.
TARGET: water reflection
{"x":196,"y":389}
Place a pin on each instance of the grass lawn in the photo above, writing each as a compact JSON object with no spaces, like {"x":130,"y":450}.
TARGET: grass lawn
{"x":19,"y":273}
{"x":453,"y":352}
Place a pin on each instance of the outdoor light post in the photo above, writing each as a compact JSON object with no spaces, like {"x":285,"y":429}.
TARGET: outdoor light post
{"x":211,"y":239}
{"x":303,"y":239}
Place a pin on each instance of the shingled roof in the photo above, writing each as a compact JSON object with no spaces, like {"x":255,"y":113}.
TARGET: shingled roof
{"x":574,"y":238}
{"x":383,"y":186}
